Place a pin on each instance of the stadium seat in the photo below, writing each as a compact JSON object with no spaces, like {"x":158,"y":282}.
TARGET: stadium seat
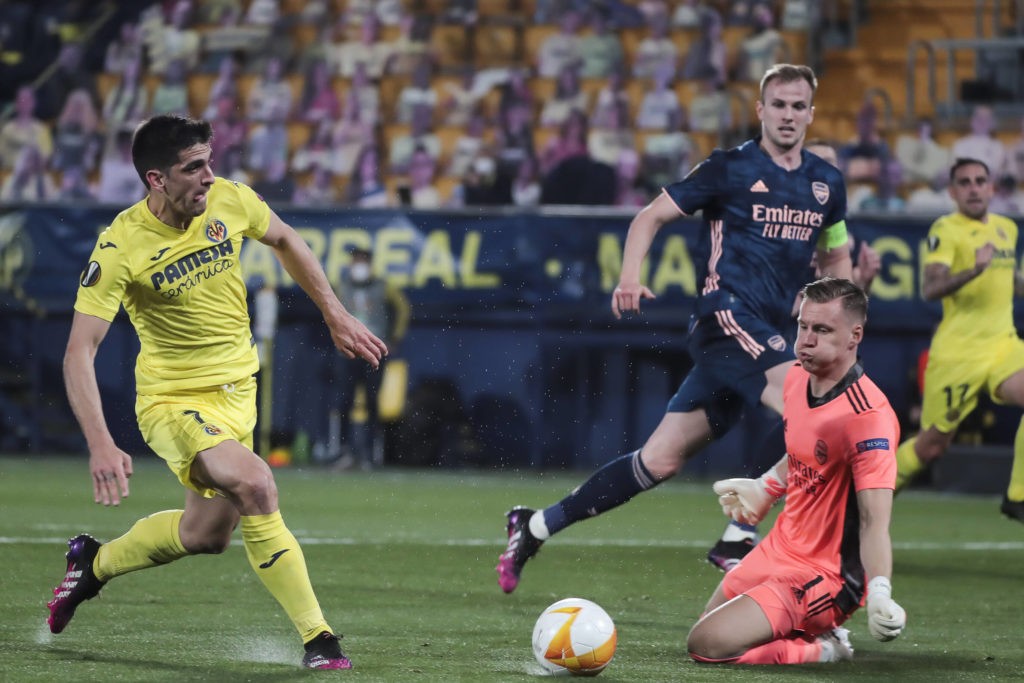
{"x":541,"y":138}
{"x":446,"y":186}
{"x":686,"y":91}
{"x":450,"y":44}
{"x":105,"y":82}
{"x":703,"y":143}
{"x":304,"y":35}
{"x":199,"y":85}
{"x":684,"y":38}
{"x":448,"y":135}
{"x":497,"y":45}
{"x":534,"y":37}
{"x":340,"y":86}
{"x":390,"y":87}
{"x":298,"y":135}
{"x":543,"y":89}
{"x":796,"y":46}
{"x":636,"y":88}
{"x":631,"y":38}
{"x":496,"y":8}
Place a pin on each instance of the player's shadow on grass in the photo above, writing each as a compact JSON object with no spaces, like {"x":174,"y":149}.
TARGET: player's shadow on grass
{"x":899,"y":664}
{"x":939,"y":572}
{"x":184,"y":672}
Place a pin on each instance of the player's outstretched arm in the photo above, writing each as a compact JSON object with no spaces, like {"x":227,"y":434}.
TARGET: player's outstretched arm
{"x":109,"y":466}
{"x":886,"y":619}
{"x":350,"y":336}
{"x":747,"y":501}
{"x":642,"y":229}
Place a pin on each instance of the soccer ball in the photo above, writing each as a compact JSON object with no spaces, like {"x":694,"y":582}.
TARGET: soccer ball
{"x":574,"y":636}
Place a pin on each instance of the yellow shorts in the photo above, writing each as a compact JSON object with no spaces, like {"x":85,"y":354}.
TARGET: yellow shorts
{"x":952,"y":382}
{"x":178,"y":426}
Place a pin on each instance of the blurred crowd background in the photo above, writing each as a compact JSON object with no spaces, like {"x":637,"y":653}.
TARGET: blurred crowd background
{"x":430,"y":104}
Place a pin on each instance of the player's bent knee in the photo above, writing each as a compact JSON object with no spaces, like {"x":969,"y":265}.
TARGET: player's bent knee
{"x":663,"y":469}
{"x":702,"y":647}
{"x":206,"y":541}
{"x":257,"y":490}
{"x":661,"y":464}
{"x":211,"y":545}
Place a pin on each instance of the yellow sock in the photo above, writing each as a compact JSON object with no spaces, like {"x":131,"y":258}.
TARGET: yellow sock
{"x":907,"y":463}
{"x":277,"y":559}
{"x":151,"y":541}
{"x":1015,"y":492}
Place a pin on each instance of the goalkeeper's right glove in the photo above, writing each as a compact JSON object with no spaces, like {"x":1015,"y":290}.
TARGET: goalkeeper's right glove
{"x":747,"y":501}
{"x":886,"y":619}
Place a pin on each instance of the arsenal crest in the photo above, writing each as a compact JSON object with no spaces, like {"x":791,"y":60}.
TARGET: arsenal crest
{"x":777,"y":342}
{"x":821,"y":452}
{"x":820,"y":191}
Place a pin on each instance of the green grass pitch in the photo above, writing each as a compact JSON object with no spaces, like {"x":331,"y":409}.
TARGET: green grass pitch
{"x":403,"y":564}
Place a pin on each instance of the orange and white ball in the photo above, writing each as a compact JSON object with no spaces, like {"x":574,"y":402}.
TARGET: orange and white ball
{"x":575,"y":636}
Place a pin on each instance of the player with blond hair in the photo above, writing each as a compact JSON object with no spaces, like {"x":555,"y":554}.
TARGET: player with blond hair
{"x":767,"y":206}
{"x":830,"y":548}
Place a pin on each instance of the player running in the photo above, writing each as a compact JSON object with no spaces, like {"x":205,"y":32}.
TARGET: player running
{"x":767,"y":205}
{"x":971,"y":265}
{"x":172,"y":261}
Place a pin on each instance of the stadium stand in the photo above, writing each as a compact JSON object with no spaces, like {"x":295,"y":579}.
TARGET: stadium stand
{"x":893,"y":54}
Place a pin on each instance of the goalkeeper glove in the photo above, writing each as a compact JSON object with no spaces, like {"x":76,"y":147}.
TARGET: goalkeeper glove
{"x":747,"y":501}
{"x":886,"y":619}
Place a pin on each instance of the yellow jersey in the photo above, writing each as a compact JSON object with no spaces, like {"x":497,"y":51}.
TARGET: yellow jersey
{"x":983,"y":308}
{"x":183,"y":289}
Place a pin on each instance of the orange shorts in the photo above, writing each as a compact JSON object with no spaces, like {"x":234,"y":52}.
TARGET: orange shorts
{"x":796,"y":600}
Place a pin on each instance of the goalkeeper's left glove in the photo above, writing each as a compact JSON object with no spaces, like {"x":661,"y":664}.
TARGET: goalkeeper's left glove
{"x":747,"y":501}
{"x":886,"y":619}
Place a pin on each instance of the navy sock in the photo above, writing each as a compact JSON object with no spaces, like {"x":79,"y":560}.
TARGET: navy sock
{"x":609,"y":487}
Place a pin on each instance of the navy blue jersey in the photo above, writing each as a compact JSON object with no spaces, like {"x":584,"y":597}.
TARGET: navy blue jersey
{"x":762,"y":223}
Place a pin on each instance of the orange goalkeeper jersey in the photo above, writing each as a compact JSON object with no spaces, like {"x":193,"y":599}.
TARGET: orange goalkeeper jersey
{"x":838,"y":444}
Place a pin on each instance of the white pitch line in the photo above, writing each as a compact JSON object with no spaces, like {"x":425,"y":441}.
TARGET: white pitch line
{"x":971,"y":546}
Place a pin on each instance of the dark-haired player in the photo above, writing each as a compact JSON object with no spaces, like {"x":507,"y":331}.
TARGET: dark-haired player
{"x":971,"y":265}
{"x":172,"y":261}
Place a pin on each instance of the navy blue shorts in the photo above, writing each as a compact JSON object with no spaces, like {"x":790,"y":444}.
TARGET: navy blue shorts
{"x":731,"y":351}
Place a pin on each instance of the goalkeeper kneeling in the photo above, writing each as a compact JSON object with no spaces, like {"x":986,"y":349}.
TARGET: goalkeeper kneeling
{"x":829,"y":551}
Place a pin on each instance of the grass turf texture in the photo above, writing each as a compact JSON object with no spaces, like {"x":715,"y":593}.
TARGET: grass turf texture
{"x":403,"y":561}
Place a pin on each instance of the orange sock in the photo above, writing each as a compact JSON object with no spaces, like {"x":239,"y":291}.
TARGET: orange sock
{"x":783,"y":651}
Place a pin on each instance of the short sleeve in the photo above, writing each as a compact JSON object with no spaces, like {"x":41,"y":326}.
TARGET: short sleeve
{"x":256,"y":210}
{"x":702,"y":187}
{"x":941,"y":244}
{"x":872,"y":439}
{"x":104,"y":280}
{"x":837,"y":208}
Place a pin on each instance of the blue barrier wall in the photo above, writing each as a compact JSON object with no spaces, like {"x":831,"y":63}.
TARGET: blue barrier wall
{"x":511,"y":309}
